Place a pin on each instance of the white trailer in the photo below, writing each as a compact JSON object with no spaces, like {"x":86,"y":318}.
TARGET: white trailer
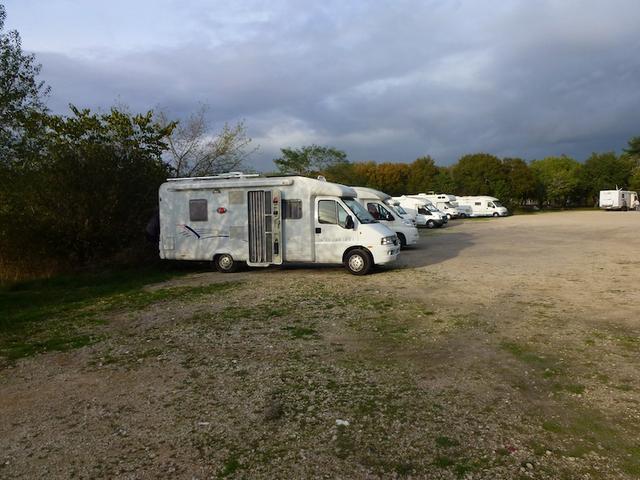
{"x":422,"y":211}
{"x":375,"y":203}
{"x":618,"y":199}
{"x":483,"y":206}
{"x":263,"y":221}
{"x":445,"y":203}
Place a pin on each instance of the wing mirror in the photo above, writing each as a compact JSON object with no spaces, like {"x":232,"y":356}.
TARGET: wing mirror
{"x":348,"y":223}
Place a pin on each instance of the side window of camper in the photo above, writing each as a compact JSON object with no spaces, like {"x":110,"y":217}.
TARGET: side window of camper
{"x":327,"y":211}
{"x":478,"y":203}
{"x":373,"y":210}
{"x":423,"y":211}
{"x":291,"y":209}
{"x":198,"y":210}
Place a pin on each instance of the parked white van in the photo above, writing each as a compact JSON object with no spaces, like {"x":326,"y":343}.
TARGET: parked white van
{"x":483,"y":206}
{"x":263,"y":221}
{"x":419,"y":209}
{"x":374,"y":202}
{"x":617,"y":199}
{"x":444,"y":203}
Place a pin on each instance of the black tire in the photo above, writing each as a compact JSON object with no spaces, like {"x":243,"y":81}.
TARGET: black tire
{"x":403,"y":241}
{"x":463,"y":215}
{"x":430,"y":224}
{"x":225,"y":263}
{"x":496,"y":214}
{"x":358,"y":262}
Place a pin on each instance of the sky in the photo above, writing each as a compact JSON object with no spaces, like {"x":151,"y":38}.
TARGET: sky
{"x":381,"y":80}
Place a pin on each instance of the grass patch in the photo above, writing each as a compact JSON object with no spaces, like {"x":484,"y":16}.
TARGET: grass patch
{"x":300,"y":332}
{"x":60,"y":314}
{"x":446,"y":442}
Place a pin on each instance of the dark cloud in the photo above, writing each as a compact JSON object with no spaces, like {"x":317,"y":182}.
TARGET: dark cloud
{"x":388,"y":83}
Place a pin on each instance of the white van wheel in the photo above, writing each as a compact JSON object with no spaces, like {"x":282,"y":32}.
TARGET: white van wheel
{"x":403,"y":241}
{"x":358,"y":262}
{"x":496,"y":214}
{"x":431,"y":224}
{"x":225,"y":263}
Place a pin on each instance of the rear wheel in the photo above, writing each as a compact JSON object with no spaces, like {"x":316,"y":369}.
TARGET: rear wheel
{"x":358,"y":262}
{"x":403,"y":241}
{"x":225,"y":263}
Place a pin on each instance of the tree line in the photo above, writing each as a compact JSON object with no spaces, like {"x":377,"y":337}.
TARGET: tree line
{"x":552,"y":182}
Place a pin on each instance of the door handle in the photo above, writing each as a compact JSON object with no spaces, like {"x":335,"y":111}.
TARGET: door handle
{"x":318,"y":230}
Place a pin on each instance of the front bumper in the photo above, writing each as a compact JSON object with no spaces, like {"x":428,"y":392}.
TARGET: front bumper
{"x":385,"y":253}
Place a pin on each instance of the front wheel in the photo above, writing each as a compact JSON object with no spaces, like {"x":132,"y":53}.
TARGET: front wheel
{"x":403,"y":241}
{"x":431,"y":224}
{"x":358,"y":262}
{"x":225,"y":263}
{"x":496,"y":214}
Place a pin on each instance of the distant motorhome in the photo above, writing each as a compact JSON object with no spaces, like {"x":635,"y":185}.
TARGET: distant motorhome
{"x":617,"y":199}
{"x":445,"y":203}
{"x":375,"y":203}
{"x":235,"y":218}
{"x":422,"y":211}
{"x":483,"y":206}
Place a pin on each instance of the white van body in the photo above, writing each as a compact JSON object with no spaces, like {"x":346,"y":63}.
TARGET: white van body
{"x":443,"y":202}
{"x":617,"y":199}
{"x":483,"y":206}
{"x":375,"y":203}
{"x":419,"y":209}
{"x":265,"y":221}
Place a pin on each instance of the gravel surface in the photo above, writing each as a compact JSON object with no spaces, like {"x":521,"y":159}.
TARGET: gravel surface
{"x":495,"y":349}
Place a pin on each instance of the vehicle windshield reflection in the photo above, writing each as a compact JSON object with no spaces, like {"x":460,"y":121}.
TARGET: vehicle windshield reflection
{"x":359,"y":211}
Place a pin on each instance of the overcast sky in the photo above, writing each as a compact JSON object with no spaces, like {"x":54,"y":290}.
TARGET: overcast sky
{"x":384,"y":81}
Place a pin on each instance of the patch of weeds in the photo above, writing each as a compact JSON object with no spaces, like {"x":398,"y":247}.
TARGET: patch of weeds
{"x":625,"y":387}
{"x":404,"y":468}
{"x":551,"y":426}
{"x":446,"y":442}
{"x":14,"y":350}
{"x":574,"y":388}
{"x":444,"y":462}
{"x":345,"y":445}
{"x":301,"y":332}
{"x":231,"y":465}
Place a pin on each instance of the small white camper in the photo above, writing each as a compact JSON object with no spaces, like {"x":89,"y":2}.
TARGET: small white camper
{"x":422,"y":211}
{"x":617,"y":199}
{"x":263,"y":221}
{"x":375,"y":203}
{"x":483,"y":206}
{"x":445,"y":203}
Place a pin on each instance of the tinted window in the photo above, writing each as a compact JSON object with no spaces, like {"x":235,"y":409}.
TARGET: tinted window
{"x":327,"y":211}
{"x":198,"y":210}
{"x":292,"y":209}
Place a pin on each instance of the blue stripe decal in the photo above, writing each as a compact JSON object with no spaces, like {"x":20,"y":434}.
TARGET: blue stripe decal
{"x":191,"y":229}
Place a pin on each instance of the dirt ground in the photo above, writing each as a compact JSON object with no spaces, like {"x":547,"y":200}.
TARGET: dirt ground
{"x":496,"y":348}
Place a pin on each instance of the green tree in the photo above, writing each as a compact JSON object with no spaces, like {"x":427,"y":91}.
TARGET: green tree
{"x":558,"y":180}
{"x":21,"y":94}
{"x":309,"y":160}
{"x":520,"y":185}
{"x":479,"y":174}
{"x":421,"y":176}
{"x":88,"y":194}
{"x":633,"y":147}
{"x":605,"y":171}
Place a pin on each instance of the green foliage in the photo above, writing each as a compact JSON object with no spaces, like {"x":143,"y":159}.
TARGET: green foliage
{"x":87,"y":191}
{"x":423,"y":171}
{"x":558,"y":179}
{"x":633,"y":147}
{"x":479,"y":174}
{"x":309,"y":160}
{"x":605,"y":171}
{"x":21,"y":94}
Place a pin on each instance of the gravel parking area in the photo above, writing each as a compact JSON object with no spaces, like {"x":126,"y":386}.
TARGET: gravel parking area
{"x":496,"y":348}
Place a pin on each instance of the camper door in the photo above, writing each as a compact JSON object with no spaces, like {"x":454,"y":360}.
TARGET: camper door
{"x":332,"y":237}
{"x":265,"y":227}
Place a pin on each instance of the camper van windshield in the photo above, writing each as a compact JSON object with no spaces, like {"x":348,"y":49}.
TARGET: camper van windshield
{"x":359,"y":211}
{"x":399,"y":210}
{"x":432,"y":208}
{"x":496,"y":203}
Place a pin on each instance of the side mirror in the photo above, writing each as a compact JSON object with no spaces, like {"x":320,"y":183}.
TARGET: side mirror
{"x":390,"y":217}
{"x":348,"y":223}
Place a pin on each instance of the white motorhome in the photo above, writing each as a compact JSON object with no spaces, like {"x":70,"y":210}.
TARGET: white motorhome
{"x":375,"y":203}
{"x":263,"y":221}
{"x":483,"y":206}
{"x":419,"y":209}
{"x":445,"y":203}
{"x":617,"y":199}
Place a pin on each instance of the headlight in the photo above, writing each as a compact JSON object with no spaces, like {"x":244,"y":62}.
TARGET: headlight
{"x":388,"y":240}
{"x":406,"y":221}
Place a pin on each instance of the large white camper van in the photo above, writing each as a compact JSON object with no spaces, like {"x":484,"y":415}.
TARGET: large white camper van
{"x":617,"y":199}
{"x":422,"y":211}
{"x":445,"y":203}
{"x":264,"y":221}
{"x":375,"y":203}
{"x":484,"y":206}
